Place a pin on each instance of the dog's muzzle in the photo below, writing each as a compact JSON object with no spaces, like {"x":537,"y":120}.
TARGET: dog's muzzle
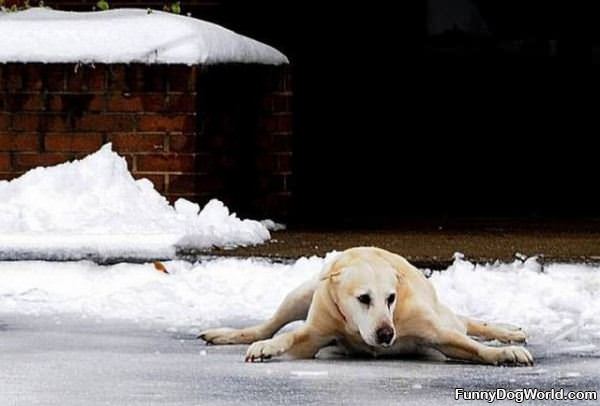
{"x":385,"y":335}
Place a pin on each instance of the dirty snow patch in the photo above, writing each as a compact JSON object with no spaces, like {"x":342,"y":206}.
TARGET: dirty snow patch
{"x":124,"y":36}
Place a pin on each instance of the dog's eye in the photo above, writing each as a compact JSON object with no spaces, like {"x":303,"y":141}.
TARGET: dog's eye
{"x":365,"y":299}
{"x":391,"y":299}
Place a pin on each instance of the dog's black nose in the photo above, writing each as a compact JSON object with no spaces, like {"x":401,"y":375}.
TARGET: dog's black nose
{"x":385,"y":335}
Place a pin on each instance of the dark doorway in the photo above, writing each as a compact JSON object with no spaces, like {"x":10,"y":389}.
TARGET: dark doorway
{"x":398,"y":117}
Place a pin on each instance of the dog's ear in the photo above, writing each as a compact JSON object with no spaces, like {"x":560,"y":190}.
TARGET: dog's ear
{"x":330,"y":276}
{"x":400,"y":265}
{"x":331,"y":271}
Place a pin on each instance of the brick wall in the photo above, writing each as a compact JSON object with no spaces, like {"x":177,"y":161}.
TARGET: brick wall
{"x":195,"y":132}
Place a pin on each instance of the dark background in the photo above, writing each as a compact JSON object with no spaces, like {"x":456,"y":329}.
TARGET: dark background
{"x":426,"y":110}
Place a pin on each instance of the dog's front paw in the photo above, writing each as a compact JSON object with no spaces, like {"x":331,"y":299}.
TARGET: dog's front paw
{"x":263,"y":350}
{"x":222,"y":336}
{"x":513,"y":355}
{"x":514,"y":336}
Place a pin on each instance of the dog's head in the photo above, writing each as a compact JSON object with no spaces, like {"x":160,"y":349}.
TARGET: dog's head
{"x":364,"y":287}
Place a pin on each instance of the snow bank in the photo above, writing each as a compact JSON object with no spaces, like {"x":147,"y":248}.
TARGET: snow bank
{"x":124,"y":36}
{"x":230,"y":291}
{"x":94,"y":207}
{"x":559,"y":303}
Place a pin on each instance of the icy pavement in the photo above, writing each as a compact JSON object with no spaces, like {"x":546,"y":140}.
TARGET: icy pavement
{"x":59,"y":360}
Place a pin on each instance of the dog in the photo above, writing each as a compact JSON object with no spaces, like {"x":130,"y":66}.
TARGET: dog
{"x":369,"y":301}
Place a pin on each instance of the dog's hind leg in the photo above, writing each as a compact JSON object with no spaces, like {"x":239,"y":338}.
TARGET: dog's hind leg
{"x":294,"y":307}
{"x":489,"y":331}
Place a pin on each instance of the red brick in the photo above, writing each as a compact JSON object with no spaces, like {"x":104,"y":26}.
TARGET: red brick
{"x":54,"y":77}
{"x":194,"y":184}
{"x":76,"y":80}
{"x":179,"y":123}
{"x":153,"y":102}
{"x":157,"y":180}
{"x":277,"y":103}
{"x":135,"y":142}
{"x":57,"y":122}
{"x":19,"y":142}
{"x":92,"y":102}
{"x":5,"y":162}
{"x":191,"y":197}
{"x":166,"y":163}
{"x":123,"y":102}
{"x":153,"y":78}
{"x":32,"y":102}
{"x":9,"y":175}
{"x":284,"y":163}
{"x":78,"y":102}
{"x":33,"y":76}
{"x":131,"y":162}
{"x":139,"y":102}
{"x":105,"y":122}
{"x":26,"y":122}
{"x":25,"y":161}
{"x":116,"y":77}
{"x":96,"y":79}
{"x":277,"y":123}
{"x":13,"y":77}
{"x":73,"y":142}
{"x":55,"y":103}
{"x":182,"y":142}
{"x":85,"y":78}
{"x":285,"y":80}
{"x":184,"y":103}
{"x":4,"y":122}
{"x":181,"y":78}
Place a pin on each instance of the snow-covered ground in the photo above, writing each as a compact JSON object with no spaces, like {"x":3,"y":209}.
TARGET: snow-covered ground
{"x":124,"y":36}
{"x":559,"y":303}
{"x":94,"y":207}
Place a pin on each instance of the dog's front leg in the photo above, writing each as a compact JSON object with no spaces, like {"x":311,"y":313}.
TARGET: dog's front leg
{"x":302,"y":343}
{"x":459,"y":346}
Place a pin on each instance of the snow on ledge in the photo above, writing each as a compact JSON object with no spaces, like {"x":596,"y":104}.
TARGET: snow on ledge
{"x":124,"y":36}
{"x":94,"y":208}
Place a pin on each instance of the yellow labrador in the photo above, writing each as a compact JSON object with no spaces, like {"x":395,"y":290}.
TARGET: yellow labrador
{"x":371,"y":301}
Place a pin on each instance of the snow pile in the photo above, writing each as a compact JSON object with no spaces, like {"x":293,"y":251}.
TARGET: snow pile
{"x":559,"y":303}
{"x":95,"y":207}
{"x":124,"y":36}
